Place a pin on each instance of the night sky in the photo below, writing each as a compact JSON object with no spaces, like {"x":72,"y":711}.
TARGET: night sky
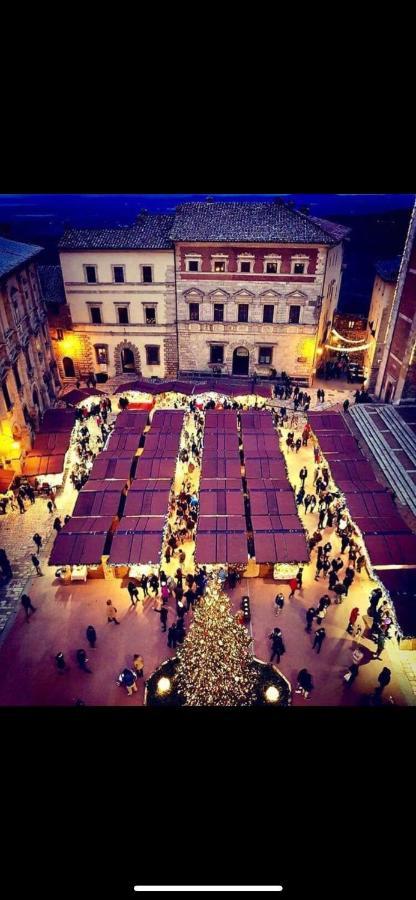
{"x":378,"y":221}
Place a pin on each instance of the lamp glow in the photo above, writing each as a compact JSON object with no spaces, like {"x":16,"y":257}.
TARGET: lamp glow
{"x":272,"y":694}
{"x":163,"y":686}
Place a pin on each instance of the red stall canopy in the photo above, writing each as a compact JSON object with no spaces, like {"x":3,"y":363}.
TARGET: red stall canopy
{"x":78,"y":395}
{"x":371,"y":504}
{"x":220,"y":444}
{"x":103,"y":503}
{"x":106,"y":465}
{"x":7,"y":477}
{"x":123,"y":442}
{"x":258,"y":446}
{"x":168,"y":421}
{"x":147,"y":503}
{"x":340,"y":443}
{"x":138,"y":540}
{"x":132,"y":420}
{"x":155,"y":468}
{"x":327,"y":422}
{"x":221,"y":503}
{"x":77,"y":549}
{"x":57,"y":420}
{"x":281,"y":547}
{"x":265,"y":468}
{"x":34,"y":466}
{"x":258,"y":422}
{"x":220,"y":468}
{"x":221,"y":420}
{"x":220,"y":484}
{"x":280,"y":503}
{"x":392,"y":550}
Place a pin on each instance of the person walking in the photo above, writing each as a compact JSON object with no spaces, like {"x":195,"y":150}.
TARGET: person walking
{"x":293,"y":584}
{"x":346,"y":404}
{"x":333,"y":578}
{"x":138,"y":665}
{"x":381,"y":640}
{"x":172,"y":636}
{"x":305,"y":683}
{"x":20,"y":504}
{"x":52,"y":496}
{"x":57,"y":525}
{"x":111,"y":613}
{"x":31,"y":494}
{"x":37,"y":540}
{"x":320,"y":636}
{"x":278,"y":647}
{"x":82,"y":660}
{"x":360,"y":562}
{"x":128,"y":678}
{"x":299,"y":577}
{"x":50,"y":506}
{"x":310,"y":615}
{"x":36,"y":564}
{"x":27,"y":605}
{"x":279,"y":602}
{"x":163,"y":617}
{"x":91,"y":636}
{"x":383,"y":680}
{"x":303,"y":474}
{"x":60,"y":662}
{"x":133,"y":592}
{"x":352,"y":619}
{"x":351,"y":674}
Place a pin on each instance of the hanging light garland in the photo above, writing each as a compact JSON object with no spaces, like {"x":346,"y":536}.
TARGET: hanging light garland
{"x":347,"y":340}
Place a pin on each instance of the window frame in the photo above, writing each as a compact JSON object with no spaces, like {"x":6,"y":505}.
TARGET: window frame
{"x":294,"y":306}
{"x":147,"y":266}
{"x":299,"y":260}
{"x":268,"y":306}
{"x":150,"y":347}
{"x":216,"y":307}
{"x":219,"y":258}
{"x":123,"y":269}
{"x":195,"y":307}
{"x":212,"y":349}
{"x":125,"y":307}
{"x":87,"y":266}
{"x":99,"y":307}
{"x":240,"y":307}
{"x":150,"y":306}
{"x":97,"y":349}
{"x":196,"y":262}
{"x":269,"y":349}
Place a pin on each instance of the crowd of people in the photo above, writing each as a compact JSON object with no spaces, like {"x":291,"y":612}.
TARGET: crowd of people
{"x":89,"y":441}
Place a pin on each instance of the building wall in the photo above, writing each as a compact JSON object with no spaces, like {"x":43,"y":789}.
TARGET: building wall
{"x":330,"y":295}
{"x":27,"y":365}
{"x":396,"y":379}
{"x":133,"y":293}
{"x":379,"y":313}
{"x":293,"y":345}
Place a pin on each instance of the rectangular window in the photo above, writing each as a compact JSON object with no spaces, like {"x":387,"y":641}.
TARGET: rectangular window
{"x":147,"y":274}
{"x":243,"y":312}
{"x":91,"y":274}
{"x":245,"y":267}
{"x":101,"y":355}
{"x":216,"y":355}
{"x":271,"y":268}
{"x":150,"y":315}
{"x":194,"y":312}
{"x":219,"y":265}
{"x":95,"y":312}
{"x":123,"y":315}
{"x":153,"y":356}
{"x":299,"y":268}
{"x":6,"y":396}
{"x":265,"y":356}
{"x":268,"y":313}
{"x":294,"y":314}
{"x":193,"y":265}
{"x":118,"y":274}
{"x":218,"y":312}
{"x":17,"y":376}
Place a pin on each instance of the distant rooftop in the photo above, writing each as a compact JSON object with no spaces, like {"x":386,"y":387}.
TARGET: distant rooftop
{"x":275,"y":222}
{"x":52,"y":284}
{"x":149,"y":232}
{"x":388,"y":269}
{"x":14,"y":254}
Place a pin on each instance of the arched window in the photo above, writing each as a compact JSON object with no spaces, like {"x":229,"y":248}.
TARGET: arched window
{"x":69,"y":368}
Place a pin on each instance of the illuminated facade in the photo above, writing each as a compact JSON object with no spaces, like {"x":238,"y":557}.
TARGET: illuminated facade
{"x":236,"y":288}
{"x":29,"y":379}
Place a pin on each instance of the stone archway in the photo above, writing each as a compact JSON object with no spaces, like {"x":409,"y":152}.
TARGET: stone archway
{"x":118,"y":357}
{"x":240,"y":345}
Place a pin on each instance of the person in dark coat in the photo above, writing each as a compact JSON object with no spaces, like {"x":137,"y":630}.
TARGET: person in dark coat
{"x":310,"y":615}
{"x":346,"y":404}
{"x":279,"y":602}
{"x":333,"y":578}
{"x":57,"y":525}
{"x":303,"y":474}
{"x":27,"y":605}
{"x":91,"y":636}
{"x":320,"y":636}
{"x":383,"y":680}
{"x":134,"y":593}
{"x":82,"y":661}
{"x":20,"y":504}
{"x":299,"y":577}
{"x":353,"y":670}
{"x":190,"y":597}
{"x":339,"y":590}
{"x":278,"y":647}
{"x":60,"y":662}
{"x":172,"y":636}
{"x":163,"y":617}
{"x":5,"y":565}
{"x":37,"y":540}
{"x":305,"y":683}
{"x":36,"y":564}
{"x":344,"y":543}
{"x":381,"y":640}
{"x":180,"y":631}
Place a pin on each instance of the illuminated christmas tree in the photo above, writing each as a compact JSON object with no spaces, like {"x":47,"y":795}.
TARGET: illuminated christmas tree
{"x":215,"y":664}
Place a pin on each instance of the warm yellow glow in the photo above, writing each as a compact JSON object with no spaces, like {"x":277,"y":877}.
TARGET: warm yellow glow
{"x":272,"y":694}
{"x":306,"y":347}
{"x":319,"y":351}
{"x":70,"y":346}
{"x":348,"y":349}
{"x":163,"y":686}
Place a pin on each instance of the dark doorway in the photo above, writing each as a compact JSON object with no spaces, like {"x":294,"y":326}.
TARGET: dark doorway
{"x":35,"y":397}
{"x":389,"y":392}
{"x":127,"y":360}
{"x":240,"y":361}
{"x":69,"y":367}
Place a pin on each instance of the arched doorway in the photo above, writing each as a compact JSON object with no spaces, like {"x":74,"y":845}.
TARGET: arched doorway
{"x":241,"y":361}
{"x":69,"y":367}
{"x":127,"y":360}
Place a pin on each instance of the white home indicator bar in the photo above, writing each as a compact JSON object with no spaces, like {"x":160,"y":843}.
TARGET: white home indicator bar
{"x":227,"y":887}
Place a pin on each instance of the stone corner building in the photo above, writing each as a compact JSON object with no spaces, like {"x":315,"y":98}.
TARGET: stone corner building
{"x":237,"y":288}
{"x":29,"y":379}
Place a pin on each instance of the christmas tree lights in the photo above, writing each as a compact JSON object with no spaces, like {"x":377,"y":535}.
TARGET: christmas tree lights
{"x":215,"y":661}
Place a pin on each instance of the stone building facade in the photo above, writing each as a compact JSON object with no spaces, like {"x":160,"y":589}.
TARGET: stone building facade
{"x":382,"y":296}
{"x":396,"y":380}
{"x":240,"y":288}
{"x":28,"y":371}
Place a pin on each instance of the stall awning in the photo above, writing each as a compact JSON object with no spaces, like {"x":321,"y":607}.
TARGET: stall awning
{"x":35,"y":466}
{"x":57,"y":420}
{"x":265,"y":468}
{"x":257,"y":422}
{"x":7,"y":477}
{"x":138,"y":540}
{"x":123,"y":442}
{"x":220,"y":444}
{"x":88,"y":524}
{"x":221,"y":503}
{"x":147,"y":503}
{"x":77,"y":549}
{"x":131,"y":420}
{"x":97,"y":504}
{"x":220,"y":468}
{"x":48,"y":444}
{"x":327,"y":422}
{"x":273,"y":503}
{"x":155,"y":468}
{"x":258,"y":446}
{"x":168,"y":421}
{"x":371,"y":504}
{"x":340,"y":443}
{"x":221,"y":420}
{"x":392,"y":550}
{"x":280,"y":547}
{"x":78,"y":395}
{"x":401,"y":585}
{"x":106,"y":465}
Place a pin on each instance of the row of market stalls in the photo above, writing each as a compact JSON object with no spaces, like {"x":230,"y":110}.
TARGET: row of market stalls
{"x":223,"y":386}
{"x":390,"y":544}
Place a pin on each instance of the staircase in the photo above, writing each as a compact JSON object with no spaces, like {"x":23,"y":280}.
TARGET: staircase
{"x":398,"y":478}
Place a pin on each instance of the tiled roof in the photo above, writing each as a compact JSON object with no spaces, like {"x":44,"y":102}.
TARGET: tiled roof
{"x":52,"y":284}
{"x":388,"y":269}
{"x":247,"y":222}
{"x":149,"y":232}
{"x":14,"y":254}
{"x":339,"y":232}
